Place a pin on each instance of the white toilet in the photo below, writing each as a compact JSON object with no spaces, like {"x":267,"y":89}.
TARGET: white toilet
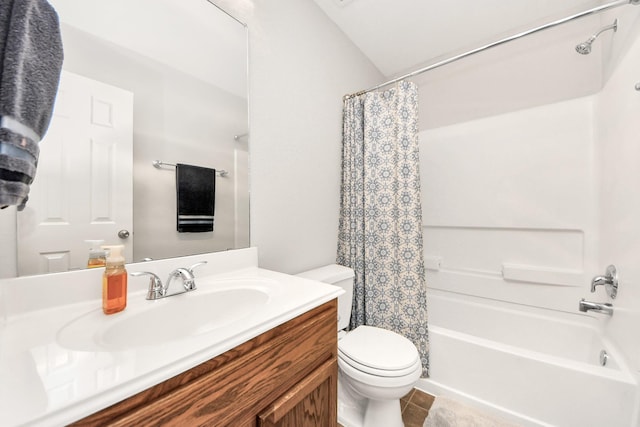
{"x":376,"y":367}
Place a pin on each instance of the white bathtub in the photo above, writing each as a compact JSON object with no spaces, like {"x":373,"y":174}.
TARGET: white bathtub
{"x":531,"y":366}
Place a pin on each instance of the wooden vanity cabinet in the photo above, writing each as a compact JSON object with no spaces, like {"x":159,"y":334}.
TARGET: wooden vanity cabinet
{"x":284,"y":377}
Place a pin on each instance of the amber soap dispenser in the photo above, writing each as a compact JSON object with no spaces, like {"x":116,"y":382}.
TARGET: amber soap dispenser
{"x":114,"y":281}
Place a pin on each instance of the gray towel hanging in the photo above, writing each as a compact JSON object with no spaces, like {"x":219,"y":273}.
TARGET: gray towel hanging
{"x":30,"y":65}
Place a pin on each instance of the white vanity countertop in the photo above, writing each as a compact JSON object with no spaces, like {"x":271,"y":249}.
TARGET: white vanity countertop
{"x":48,"y":380}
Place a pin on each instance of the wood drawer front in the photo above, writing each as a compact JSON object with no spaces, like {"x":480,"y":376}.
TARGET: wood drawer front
{"x":311,"y":403}
{"x":234,"y":387}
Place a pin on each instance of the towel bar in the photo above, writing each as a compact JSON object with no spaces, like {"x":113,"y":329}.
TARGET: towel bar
{"x":159,"y":164}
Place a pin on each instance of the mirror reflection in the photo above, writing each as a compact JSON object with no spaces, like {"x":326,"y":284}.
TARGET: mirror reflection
{"x":144,"y":81}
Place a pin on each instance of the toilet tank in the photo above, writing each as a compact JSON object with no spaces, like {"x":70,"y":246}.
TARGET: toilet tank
{"x":337,"y":275}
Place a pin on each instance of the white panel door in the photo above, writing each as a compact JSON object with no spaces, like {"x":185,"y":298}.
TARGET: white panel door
{"x":83,"y":186}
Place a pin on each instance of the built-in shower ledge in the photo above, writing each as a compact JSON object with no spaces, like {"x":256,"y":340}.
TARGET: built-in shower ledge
{"x":544,"y":275}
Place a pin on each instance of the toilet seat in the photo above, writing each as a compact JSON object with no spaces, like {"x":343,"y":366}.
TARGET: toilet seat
{"x":395,"y":373}
{"x":379,"y":352}
{"x":379,"y":381}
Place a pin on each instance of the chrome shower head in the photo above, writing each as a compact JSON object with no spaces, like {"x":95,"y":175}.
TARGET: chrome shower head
{"x":585,"y":47}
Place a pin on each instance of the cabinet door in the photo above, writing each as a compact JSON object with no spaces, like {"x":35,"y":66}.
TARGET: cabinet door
{"x":311,"y":403}
{"x":287,"y":363}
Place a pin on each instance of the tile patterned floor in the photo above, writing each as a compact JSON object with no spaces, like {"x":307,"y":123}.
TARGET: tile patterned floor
{"x":415,"y":407}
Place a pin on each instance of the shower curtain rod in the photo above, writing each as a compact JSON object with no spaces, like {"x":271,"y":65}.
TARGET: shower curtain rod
{"x":454,"y":58}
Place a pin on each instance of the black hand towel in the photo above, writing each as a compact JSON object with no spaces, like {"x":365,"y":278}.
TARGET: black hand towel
{"x":196,"y":193}
{"x":30,"y":63}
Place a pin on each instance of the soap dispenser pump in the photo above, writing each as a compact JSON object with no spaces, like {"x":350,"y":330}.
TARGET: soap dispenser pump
{"x":114,"y":281}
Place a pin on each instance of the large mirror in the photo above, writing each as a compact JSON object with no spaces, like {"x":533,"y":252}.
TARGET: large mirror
{"x":143,"y":81}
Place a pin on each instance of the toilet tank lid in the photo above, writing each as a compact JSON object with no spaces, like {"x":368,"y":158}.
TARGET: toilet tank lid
{"x":329,"y":273}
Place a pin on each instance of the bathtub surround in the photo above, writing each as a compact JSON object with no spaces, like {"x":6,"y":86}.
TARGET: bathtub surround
{"x":618,"y":151}
{"x":522,"y":210}
{"x":380,"y":228}
{"x":494,"y":225}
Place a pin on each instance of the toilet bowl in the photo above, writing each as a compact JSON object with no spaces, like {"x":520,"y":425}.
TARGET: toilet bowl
{"x":376,"y":367}
{"x":381,"y":367}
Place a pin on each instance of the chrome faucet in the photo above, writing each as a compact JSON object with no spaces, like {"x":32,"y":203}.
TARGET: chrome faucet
{"x":598,"y":307}
{"x":157,"y":290}
{"x":186,"y":274}
{"x":609,"y":281}
{"x":188,"y":281}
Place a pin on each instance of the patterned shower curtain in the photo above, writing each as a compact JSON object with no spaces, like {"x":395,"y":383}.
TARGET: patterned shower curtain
{"x":380,"y":231}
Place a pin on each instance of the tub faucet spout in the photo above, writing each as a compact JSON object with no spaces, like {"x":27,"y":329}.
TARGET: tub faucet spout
{"x":598,"y":307}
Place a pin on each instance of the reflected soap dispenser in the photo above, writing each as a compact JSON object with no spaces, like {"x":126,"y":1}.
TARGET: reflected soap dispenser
{"x":114,"y":281}
{"x":97,"y":255}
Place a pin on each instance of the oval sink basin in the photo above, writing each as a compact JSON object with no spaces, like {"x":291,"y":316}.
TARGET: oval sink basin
{"x":160,"y":321}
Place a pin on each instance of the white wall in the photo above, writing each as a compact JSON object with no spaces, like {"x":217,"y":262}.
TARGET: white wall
{"x":300,"y":67}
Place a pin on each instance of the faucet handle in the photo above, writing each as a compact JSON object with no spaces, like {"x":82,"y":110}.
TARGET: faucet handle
{"x":609,"y":280}
{"x":156,"y":289}
{"x":598,"y":281}
{"x":188,"y":278}
{"x":188,"y":281}
{"x":197,"y":264}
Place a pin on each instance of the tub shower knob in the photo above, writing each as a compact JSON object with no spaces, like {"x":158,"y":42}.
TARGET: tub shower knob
{"x":609,"y":281}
